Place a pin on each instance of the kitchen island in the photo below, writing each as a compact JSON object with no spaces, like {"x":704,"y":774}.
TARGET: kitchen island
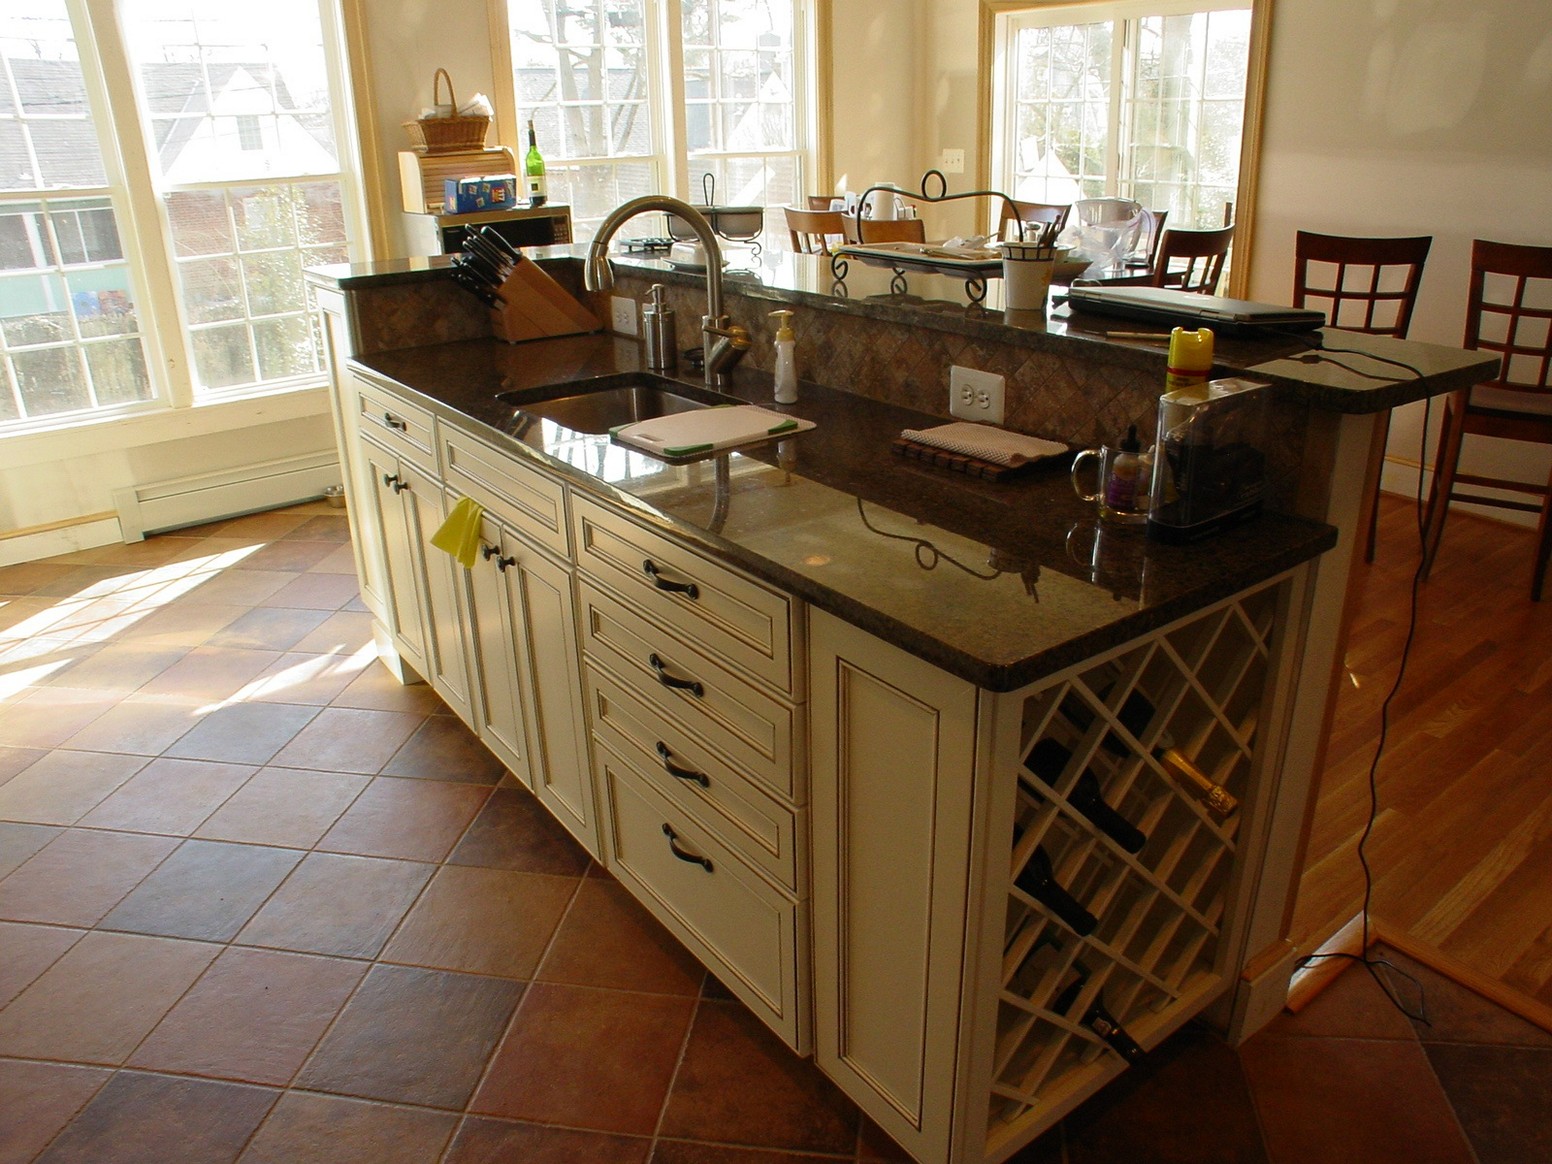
{"x":850,"y":725}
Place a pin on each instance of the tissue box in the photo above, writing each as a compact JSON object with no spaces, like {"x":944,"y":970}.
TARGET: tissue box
{"x":471,"y":195}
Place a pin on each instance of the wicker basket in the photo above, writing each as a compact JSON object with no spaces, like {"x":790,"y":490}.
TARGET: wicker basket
{"x":446,"y":135}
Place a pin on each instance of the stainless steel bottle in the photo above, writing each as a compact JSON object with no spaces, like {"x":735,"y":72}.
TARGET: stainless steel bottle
{"x":657,"y":333}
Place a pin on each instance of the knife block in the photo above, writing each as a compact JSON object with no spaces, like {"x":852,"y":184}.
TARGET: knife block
{"x":535,"y":306}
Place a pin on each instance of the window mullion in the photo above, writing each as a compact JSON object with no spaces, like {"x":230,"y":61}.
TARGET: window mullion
{"x":667,"y":62}
{"x":109,"y":78}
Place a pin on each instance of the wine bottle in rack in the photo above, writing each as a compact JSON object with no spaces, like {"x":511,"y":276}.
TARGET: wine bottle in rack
{"x":1137,"y":712}
{"x":1038,"y":879}
{"x":1047,"y":760}
{"x":1097,"y":1017}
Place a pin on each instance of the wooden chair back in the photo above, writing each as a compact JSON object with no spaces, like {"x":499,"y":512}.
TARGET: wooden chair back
{"x":1032,"y":212}
{"x":1201,"y":254}
{"x":1509,"y":312}
{"x":1370,"y":284}
{"x":812,"y":230}
{"x":819,"y":201}
{"x":884,"y":230}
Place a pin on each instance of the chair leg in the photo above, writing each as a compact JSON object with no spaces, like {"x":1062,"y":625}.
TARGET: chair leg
{"x":1383,"y":438}
{"x":1443,"y":476}
{"x":1543,"y":545}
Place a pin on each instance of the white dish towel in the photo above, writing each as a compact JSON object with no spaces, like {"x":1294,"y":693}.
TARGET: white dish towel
{"x":997,"y":445}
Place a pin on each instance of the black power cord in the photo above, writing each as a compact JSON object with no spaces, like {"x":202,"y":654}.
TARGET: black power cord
{"x":1373,"y":965}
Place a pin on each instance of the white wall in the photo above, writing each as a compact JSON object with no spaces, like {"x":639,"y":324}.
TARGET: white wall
{"x":1400,"y":117}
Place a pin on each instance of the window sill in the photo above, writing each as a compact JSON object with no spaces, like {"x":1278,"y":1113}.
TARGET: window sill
{"x":112,"y":434}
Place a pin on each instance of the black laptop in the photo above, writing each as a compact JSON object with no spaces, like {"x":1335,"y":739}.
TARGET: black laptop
{"x":1162,"y":305}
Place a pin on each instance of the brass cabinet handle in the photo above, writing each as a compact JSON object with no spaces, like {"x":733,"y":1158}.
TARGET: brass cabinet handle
{"x":693,"y":686}
{"x":683,"y":854}
{"x":676,"y":771}
{"x":688,"y":589}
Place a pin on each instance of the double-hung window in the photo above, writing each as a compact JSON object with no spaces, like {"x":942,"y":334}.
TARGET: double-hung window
{"x":689,"y":97}
{"x":168,"y":168}
{"x":1141,"y":100}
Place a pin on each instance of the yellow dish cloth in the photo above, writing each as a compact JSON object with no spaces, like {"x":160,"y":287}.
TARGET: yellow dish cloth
{"x":459,"y":535}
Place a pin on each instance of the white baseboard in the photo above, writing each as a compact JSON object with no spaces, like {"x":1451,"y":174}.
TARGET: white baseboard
{"x":63,"y":540}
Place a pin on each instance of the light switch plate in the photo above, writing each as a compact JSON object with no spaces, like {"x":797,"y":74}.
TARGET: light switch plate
{"x":624,"y":315}
{"x":953,"y":161}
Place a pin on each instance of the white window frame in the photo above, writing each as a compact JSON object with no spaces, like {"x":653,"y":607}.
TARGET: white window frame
{"x":670,"y":159}
{"x":136,"y":191}
{"x":995,"y":81}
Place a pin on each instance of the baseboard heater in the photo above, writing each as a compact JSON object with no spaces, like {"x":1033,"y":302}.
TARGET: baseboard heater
{"x":166,"y":505}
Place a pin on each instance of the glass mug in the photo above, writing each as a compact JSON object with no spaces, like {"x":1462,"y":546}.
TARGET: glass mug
{"x":1123,"y":484}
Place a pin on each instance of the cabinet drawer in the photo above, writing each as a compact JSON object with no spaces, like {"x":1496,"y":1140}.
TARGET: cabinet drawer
{"x":752,"y":729}
{"x":524,"y":498}
{"x":735,"y":618}
{"x":407,"y":429}
{"x":720,"y":798}
{"x":744,"y":929}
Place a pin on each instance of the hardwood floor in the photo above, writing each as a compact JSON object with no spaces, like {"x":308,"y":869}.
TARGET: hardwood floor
{"x":1462,"y":846}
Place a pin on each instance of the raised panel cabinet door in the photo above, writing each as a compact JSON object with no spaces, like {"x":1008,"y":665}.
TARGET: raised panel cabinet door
{"x":499,"y":659}
{"x":541,"y":609}
{"x":389,"y":520}
{"x":893,"y":753}
{"x":365,"y":540}
{"x":446,"y":658}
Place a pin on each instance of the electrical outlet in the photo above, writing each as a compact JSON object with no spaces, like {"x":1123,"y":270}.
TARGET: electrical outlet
{"x":953,"y":161}
{"x":974,"y":395}
{"x":624,"y":315}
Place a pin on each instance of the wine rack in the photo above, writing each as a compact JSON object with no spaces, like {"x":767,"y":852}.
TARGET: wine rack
{"x":1134,"y":771}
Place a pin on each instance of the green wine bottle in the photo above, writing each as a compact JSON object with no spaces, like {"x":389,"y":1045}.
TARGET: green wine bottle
{"x":533,"y":167}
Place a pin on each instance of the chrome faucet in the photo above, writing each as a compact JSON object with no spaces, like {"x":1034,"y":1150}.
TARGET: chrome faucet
{"x":722,"y":342}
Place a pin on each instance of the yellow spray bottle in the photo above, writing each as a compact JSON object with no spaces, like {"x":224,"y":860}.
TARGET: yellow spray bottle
{"x":1190,"y":358}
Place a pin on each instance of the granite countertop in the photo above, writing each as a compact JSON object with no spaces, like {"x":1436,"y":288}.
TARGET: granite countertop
{"x":998,"y":583}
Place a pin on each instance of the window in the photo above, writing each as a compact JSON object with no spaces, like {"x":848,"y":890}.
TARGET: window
{"x":231,"y":114}
{"x":1143,"y":101}
{"x":610,"y":83}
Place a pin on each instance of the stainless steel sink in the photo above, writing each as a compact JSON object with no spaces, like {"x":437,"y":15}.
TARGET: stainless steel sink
{"x":610,"y":403}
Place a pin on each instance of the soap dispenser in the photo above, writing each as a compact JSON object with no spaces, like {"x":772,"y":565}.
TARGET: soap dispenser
{"x":657,"y":332}
{"x":786,"y":359}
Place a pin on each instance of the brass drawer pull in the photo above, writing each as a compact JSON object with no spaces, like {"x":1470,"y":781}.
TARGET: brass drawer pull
{"x":682,"y":854}
{"x":393,"y":421}
{"x":693,"y":686}
{"x":674,"y":770}
{"x":688,"y":589}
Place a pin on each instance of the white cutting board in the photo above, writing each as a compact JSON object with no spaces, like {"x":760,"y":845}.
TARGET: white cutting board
{"x":710,"y":430}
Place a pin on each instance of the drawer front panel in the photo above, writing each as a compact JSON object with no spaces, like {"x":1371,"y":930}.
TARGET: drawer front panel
{"x":733,"y":617}
{"x":750,"y":728}
{"x":524,"y":498}
{"x":740,"y":926}
{"x":747,"y":820}
{"x":407,"y":429}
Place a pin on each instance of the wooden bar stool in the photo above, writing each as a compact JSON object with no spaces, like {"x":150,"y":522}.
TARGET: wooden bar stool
{"x":1508,"y":311}
{"x":1362,"y":284}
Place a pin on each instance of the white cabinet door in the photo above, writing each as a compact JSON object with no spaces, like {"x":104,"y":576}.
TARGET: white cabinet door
{"x":541,"y":606}
{"x":525,"y":644}
{"x":446,"y":660}
{"x":893,"y":754}
{"x":504,"y":719}
{"x":384,"y":486}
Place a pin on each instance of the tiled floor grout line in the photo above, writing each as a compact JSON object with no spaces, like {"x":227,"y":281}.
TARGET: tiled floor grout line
{"x":517,"y":1010}
{"x":673,"y":1078}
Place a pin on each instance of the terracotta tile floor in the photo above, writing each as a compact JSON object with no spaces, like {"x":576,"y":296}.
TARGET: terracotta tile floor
{"x":258,"y":901}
